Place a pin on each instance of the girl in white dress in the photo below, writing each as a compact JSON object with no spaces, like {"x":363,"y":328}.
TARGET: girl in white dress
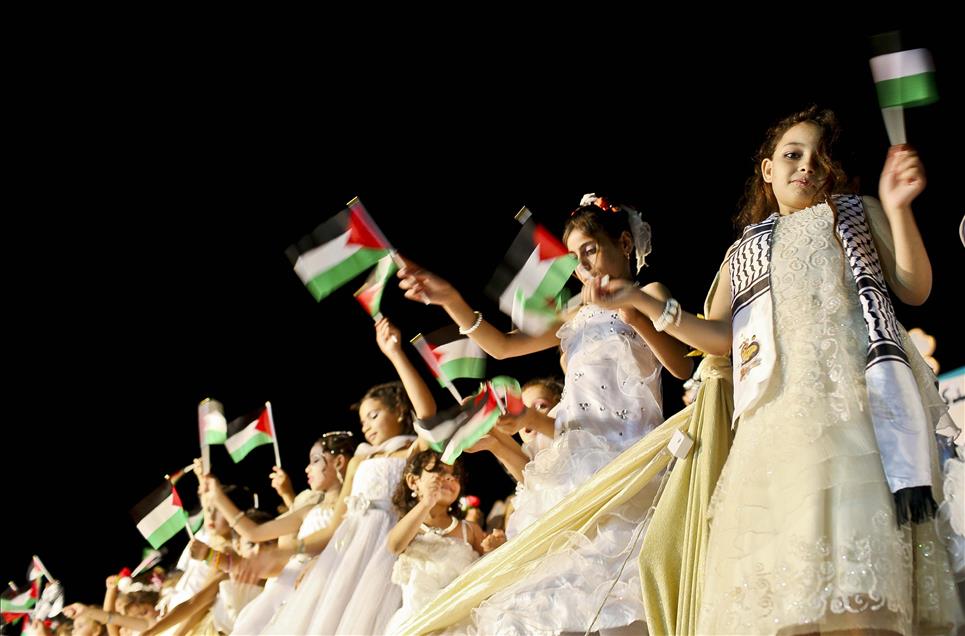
{"x":348,"y":588}
{"x":815,"y":525}
{"x":327,"y":463}
{"x":612,"y":398}
{"x":433,"y":545}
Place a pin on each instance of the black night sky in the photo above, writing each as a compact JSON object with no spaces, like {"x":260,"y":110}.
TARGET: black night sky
{"x":146,"y":266}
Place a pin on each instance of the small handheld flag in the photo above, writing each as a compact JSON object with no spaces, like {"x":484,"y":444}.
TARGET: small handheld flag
{"x":454,"y":430}
{"x":248,"y":432}
{"x":450,"y":356}
{"x":904,"y":78}
{"x":160,"y":515}
{"x":338,"y":250}
{"x":369,"y":294}
{"x":532,"y":275}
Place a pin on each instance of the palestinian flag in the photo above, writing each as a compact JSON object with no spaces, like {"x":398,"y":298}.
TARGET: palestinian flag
{"x":11,"y":618}
{"x":536,"y":315}
{"x":247,"y":433}
{"x":451,"y":355}
{"x":904,"y":78}
{"x":536,"y":268}
{"x":211,"y":422}
{"x":338,"y":250}
{"x":458,"y":428}
{"x":19,"y":604}
{"x":454,"y":430}
{"x":477,"y":420}
{"x":160,"y":515}
{"x":370,"y":294}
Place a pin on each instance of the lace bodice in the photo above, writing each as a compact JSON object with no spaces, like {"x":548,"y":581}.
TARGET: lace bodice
{"x":821,"y":337}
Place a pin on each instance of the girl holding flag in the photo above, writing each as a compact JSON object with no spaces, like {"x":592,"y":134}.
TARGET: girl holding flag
{"x":327,"y":463}
{"x":348,"y":589}
{"x":612,"y":398}
{"x":819,"y":521}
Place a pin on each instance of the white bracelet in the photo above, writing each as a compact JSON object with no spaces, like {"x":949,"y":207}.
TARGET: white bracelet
{"x":474,"y":326}
{"x":671,"y":314}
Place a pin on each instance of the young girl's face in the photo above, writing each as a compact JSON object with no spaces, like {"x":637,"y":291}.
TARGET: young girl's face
{"x":322,"y":470}
{"x":441,"y":474}
{"x":379,"y":422}
{"x":598,"y":255}
{"x":794,"y":171}
{"x":541,"y":399}
{"x":214,"y":521}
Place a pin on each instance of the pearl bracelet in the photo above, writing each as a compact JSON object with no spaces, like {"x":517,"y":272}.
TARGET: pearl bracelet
{"x":671,"y":314}
{"x":474,"y":326}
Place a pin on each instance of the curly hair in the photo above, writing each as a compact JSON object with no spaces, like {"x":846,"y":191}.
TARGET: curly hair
{"x":427,"y":461}
{"x":394,"y":397}
{"x":759,"y":201}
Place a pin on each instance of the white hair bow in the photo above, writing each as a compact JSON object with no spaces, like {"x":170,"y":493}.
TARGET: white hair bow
{"x":639,"y":229}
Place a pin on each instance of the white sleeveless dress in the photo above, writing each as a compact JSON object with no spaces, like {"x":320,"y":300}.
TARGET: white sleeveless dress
{"x":349,"y":589}
{"x":259,"y":612}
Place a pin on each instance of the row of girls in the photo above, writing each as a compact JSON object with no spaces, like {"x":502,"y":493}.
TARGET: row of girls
{"x":805,"y":505}
{"x":376,"y":535}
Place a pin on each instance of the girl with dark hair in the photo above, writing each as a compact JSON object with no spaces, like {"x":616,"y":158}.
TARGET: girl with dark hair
{"x":612,"y":399}
{"x":816,"y":523}
{"x":434,"y":545}
{"x":354,"y":567}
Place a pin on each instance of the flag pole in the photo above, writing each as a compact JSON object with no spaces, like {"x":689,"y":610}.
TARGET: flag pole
{"x":205,"y":448}
{"x":274,"y":436}
{"x":895,"y":124}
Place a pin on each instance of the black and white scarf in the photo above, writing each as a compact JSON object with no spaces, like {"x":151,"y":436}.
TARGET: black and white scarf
{"x":900,"y":423}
